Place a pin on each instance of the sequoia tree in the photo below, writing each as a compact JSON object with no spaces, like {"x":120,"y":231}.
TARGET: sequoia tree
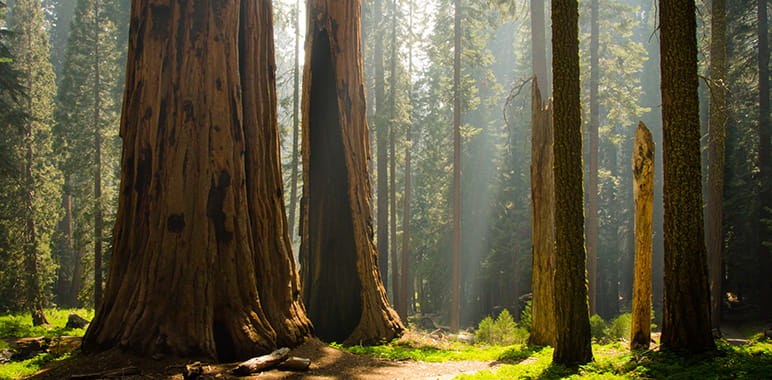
{"x":342,"y":286}
{"x":686,"y":311}
{"x":202,"y":263}
{"x":572,"y":319}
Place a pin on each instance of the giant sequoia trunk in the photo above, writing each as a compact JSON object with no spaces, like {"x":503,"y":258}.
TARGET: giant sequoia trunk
{"x":202,"y":262}
{"x":643,"y":192}
{"x":572,"y":340}
{"x":592,"y":180}
{"x":342,"y":286}
{"x":686,"y":314}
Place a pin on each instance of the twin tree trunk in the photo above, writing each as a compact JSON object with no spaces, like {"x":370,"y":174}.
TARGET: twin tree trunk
{"x":202,"y":263}
{"x":643,"y":189}
{"x":686,"y":314}
{"x":342,"y":286}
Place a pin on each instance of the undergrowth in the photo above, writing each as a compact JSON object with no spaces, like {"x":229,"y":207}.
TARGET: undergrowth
{"x":20,"y":325}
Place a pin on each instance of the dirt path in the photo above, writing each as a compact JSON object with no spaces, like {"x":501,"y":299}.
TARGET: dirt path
{"x":327,"y":363}
{"x":732,"y":334}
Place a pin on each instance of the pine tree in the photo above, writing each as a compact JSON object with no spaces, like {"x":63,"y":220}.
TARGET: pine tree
{"x":88,"y":118}
{"x":37,"y":186}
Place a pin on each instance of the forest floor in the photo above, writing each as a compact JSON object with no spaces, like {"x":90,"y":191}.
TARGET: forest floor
{"x":326,"y":363}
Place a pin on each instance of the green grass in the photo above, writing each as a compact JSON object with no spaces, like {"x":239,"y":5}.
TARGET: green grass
{"x":26,"y":368}
{"x":20,"y":325}
{"x":613,"y":362}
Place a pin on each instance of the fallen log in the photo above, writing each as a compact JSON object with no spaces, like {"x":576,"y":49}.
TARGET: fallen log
{"x":295,"y":363}
{"x":119,"y":373}
{"x":260,"y":363}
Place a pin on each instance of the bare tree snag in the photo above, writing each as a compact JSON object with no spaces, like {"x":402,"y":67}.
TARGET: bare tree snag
{"x":543,"y":219}
{"x":643,"y":189}
{"x":342,"y":286}
{"x":200,"y":224}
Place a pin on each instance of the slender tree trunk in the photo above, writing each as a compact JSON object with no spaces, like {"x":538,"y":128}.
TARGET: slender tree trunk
{"x":539,"y":48}
{"x":455,"y":292}
{"x":592,"y":181}
{"x":70,"y":295}
{"x":542,"y":191}
{"x":393,"y":153}
{"x":716,"y":153}
{"x":686,"y":314}
{"x":342,"y":287}
{"x":572,"y":343}
{"x":98,"y":216}
{"x":295,"y":125}
{"x":765,"y":158}
{"x":32,"y":266}
{"x":402,"y":299}
{"x":643,"y":189}
{"x":202,"y":262}
{"x":381,"y":141}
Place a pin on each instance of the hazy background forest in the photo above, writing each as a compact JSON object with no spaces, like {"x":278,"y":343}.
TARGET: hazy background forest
{"x":79,"y":54}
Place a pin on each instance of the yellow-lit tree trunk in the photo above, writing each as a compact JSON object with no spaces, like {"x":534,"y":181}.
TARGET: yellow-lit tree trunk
{"x":342,"y":286}
{"x":543,"y":228}
{"x":643,"y":189}
{"x":202,"y":263}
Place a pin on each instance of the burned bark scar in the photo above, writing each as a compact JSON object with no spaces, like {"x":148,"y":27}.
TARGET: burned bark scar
{"x":214,"y":207}
{"x":175,"y":223}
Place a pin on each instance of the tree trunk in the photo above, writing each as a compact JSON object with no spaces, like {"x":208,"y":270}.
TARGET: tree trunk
{"x":393,"y":153}
{"x":572,"y":343}
{"x":716,"y":159}
{"x":543,"y":219}
{"x":202,"y":263}
{"x":98,"y":216}
{"x":539,"y":48}
{"x":402,"y":299}
{"x":542,"y":190}
{"x":765,"y":159}
{"x":342,"y":287}
{"x":455,"y":292}
{"x":643,"y":189}
{"x":686,"y":314}
{"x":381,"y":138}
{"x":592,"y":181}
{"x":295,"y":126}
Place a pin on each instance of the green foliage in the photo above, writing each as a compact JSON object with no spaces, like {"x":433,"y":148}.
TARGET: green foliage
{"x":20,"y":325}
{"x":620,"y":327}
{"x":613,"y":361}
{"x":503,"y":331}
{"x":29,"y":181}
{"x":597,"y":327}
{"x":26,"y":368}
{"x":423,"y":348}
{"x":526,"y":317}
